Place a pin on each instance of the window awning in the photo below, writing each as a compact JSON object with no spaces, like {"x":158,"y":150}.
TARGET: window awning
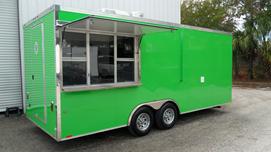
{"x":119,"y":24}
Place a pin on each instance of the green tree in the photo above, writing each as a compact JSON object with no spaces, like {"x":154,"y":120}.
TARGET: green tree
{"x":237,"y":49}
{"x":257,"y":26}
{"x":263,"y":22}
{"x":214,"y":14}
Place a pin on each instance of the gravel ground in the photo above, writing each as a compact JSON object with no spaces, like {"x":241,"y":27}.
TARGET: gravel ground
{"x":242,"y":126}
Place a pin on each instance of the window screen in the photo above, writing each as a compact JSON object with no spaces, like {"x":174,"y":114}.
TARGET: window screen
{"x":125,"y":71}
{"x":125,"y":47}
{"x":74,"y":59}
{"x":101,"y":59}
{"x":125,"y":59}
{"x":74,"y":45}
{"x":74,"y":73}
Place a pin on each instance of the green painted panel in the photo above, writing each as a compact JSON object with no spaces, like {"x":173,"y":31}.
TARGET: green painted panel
{"x":40,"y":81}
{"x":210,"y":55}
{"x":65,"y":16}
{"x":171,"y":66}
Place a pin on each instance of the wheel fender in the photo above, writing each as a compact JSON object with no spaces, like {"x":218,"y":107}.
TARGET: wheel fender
{"x":154,"y":105}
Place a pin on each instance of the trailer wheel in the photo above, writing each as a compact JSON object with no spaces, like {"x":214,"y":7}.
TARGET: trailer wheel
{"x":141,"y":122}
{"x":166,"y":116}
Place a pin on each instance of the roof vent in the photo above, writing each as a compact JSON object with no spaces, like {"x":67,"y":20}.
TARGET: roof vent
{"x":114,"y":11}
{"x":137,"y":14}
{"x":119,"y":12}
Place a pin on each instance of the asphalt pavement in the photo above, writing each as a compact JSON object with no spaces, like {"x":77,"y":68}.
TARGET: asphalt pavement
{"x":242,"y":126}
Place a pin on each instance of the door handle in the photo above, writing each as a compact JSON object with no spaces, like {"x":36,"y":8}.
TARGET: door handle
{"x":52,"y":106}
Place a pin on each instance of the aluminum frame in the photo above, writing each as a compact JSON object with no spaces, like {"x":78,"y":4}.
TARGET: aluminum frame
{"x":88,"y":54}
{"x":44,"y":73}
{"x":115,"y":53}
{"x":58,"y":62}
{"x":88,"y":85}
{"x":58,"y":65}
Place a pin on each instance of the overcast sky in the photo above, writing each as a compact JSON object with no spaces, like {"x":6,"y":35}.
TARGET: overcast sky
{"x":240,"y":22}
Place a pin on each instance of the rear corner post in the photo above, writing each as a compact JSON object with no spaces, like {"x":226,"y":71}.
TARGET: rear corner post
{"x":58,"y":65}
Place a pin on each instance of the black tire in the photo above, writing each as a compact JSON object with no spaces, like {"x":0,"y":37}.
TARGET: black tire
{"x":134,"y":128}
{"x":160,"y":122}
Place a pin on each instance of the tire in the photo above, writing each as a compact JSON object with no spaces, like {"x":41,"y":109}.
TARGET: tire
{"x":166,"y":116}
{"x":141,"y":122}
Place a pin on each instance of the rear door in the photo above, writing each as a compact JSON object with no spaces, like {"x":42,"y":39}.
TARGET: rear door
{"x":40,"y":72}
{"x":36,"y":95}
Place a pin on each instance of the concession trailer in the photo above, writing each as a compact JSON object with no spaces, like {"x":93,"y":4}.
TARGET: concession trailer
{"x":89,"y":72}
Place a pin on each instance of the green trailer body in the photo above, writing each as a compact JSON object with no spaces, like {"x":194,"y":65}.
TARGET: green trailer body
{"x":186,"y":66}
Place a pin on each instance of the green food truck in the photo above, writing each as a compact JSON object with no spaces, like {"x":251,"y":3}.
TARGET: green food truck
{"x":89,"y":72}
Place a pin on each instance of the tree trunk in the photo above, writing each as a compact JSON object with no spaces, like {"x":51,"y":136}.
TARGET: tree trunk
{"x":236,"y":65}
{"x":250,"y":67}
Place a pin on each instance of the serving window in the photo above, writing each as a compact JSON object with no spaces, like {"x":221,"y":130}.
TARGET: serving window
{"x":101,"y":53}
{"x":102,"y":56}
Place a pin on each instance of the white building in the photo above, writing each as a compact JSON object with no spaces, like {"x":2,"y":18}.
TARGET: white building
{"x":15,"y":13}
